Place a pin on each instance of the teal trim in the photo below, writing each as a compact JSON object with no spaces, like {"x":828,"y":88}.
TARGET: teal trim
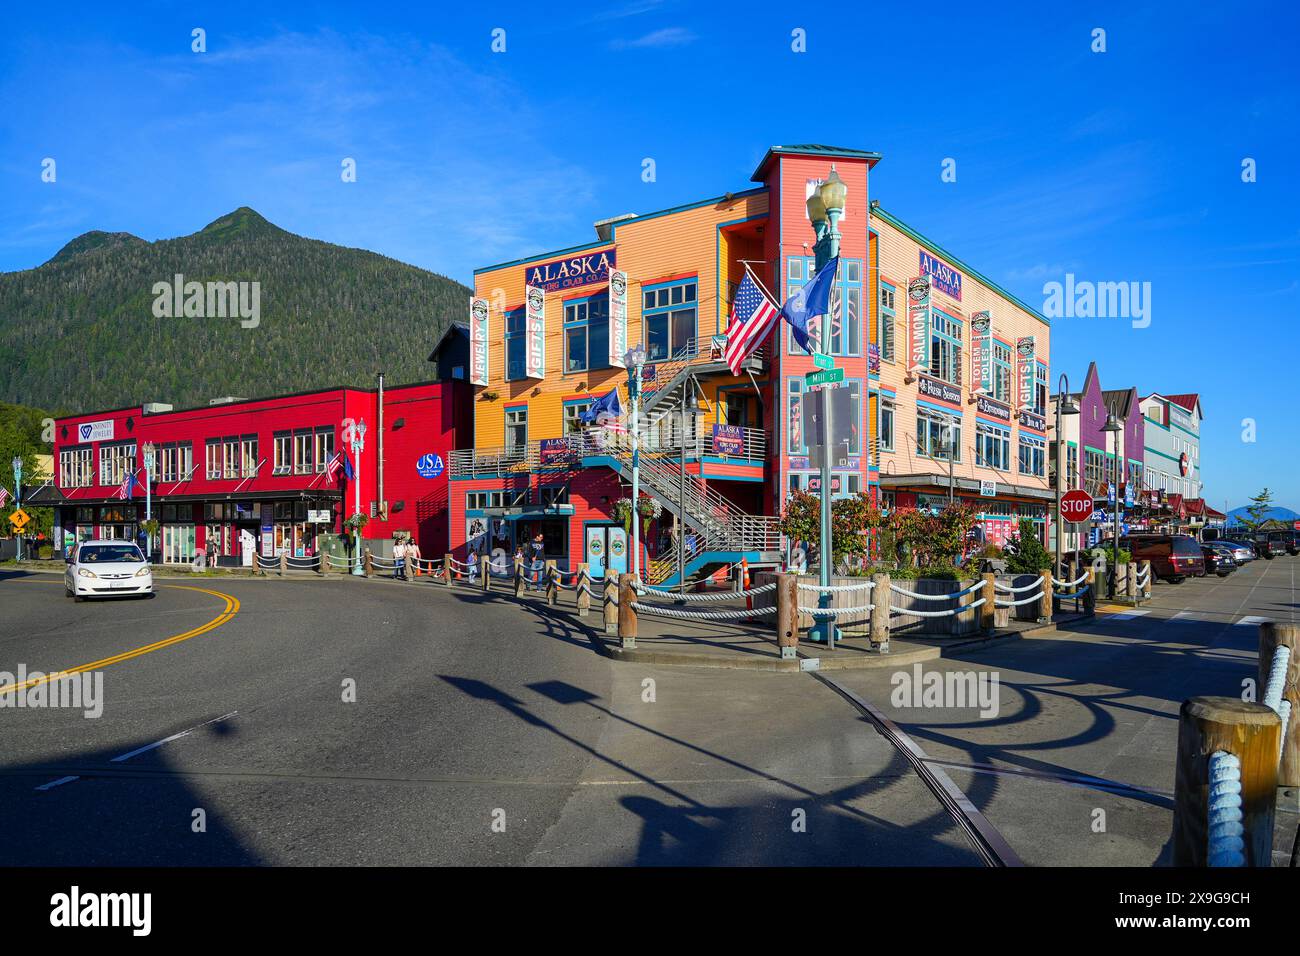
{"x":1152,"y":451}
{"x":956,"y":262}
{"x":944,"y":409}
{"x":1187,"y":431}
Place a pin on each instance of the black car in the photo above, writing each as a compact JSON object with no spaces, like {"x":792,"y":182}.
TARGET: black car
{"x":1269,"y":544}
{"x":1218,"y":560}
{"x":1292,"y":541}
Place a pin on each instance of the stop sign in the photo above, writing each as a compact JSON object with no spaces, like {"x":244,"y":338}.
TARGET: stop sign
{"x":1076,"y":506}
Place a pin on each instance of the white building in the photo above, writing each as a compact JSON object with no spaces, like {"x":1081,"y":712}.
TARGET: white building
{"x":1173,"y":444}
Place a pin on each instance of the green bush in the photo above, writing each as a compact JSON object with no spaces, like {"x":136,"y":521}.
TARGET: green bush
{"x":45,"y":552}
{"x":1030,"y":556}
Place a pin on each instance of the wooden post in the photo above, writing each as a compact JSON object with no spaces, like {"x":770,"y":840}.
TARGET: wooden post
{"x":284,"y":562}
{"x":582,"y":591}
{"x":1273,"y":635}
{"x":963,"y":601}
{"x":880,"y":613}
{"x":552,"y":583}
{"x":986,"y":609}
{"x":1146,"y":569}
{"x":448,"y":569}
{"x":369,"y":565}
{"x":609,"y":594}
{"x":1090,"y":599}
{"x":485,"y":564}
{"x":1250,"y":732}
{"x":519,"y":576}
{"x":1045,"y":598}
{"x":787,"y":615}
{"x":626,"y":612}
{"x":1132,"y":583}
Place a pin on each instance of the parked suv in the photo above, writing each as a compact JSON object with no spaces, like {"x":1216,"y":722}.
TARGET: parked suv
{"x":1173,"y":557}
{"x":1269,"y":544}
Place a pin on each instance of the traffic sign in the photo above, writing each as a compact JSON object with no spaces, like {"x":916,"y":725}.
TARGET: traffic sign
{"x":1076,"y":506}
{"x":19,"y":519}
{"x":829,"y":376}
{"x":821,"y":360}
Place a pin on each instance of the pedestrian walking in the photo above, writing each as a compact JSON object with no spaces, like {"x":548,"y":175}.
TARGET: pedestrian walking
{"x":413,"y":555}
{"x":473,"y":565}
{"x":212,"y":552}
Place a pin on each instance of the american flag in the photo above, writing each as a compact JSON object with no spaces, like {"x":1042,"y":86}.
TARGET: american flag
{"x":128,"y":486}
{"x":752,"y":317}
{"x":4,"y":496}
{"x":332,"y":469}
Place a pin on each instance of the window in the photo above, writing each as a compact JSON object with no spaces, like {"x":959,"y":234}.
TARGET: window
{"x":886,"y":432}
{"x":553,"y":495}
{"x":1094,"y":470}
{"x":324,"y":446}
{"x":248,"y":456}
{"x":1072,"y":466}
{"x":175,"y":460}
{"x":855,"y":401}
{"x":516,"y":344}
{"x":845,"y":307}
{"x":303,"y":451}
{"x":282,"y":463}
{"x":213,"y":458}
{"x":76,"y":467}
{"x":480,"y":500}
{"x":1040,"y":389}
{"x":1002,"y":372}
{"x":945,"y":347}
{"x":115,"y":461}
{"x":794,"y":439}
{"x":668,"y":320}
{"x":516,"y":429}
{"x":572,"y":422}
{"x":586,"y":334}
{"x":885,"y":324}
{"x":230,"y":457}
{"x":937,"y":434}
{"x":992,"y":446}
{"x":1032,"y":455}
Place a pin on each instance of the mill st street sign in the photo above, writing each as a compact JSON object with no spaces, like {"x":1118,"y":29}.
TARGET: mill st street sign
{"x":829,"y":376}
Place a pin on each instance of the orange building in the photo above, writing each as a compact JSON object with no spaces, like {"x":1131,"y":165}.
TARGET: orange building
{"x":720,"y":451}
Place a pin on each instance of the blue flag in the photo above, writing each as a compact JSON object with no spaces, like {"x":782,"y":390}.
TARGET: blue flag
{"x":607,"y":405}
{"x":809,"y":302}
{"x":348,"y":471}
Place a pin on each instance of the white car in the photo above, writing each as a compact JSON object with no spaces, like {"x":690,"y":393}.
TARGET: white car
{"x":107,"y":569}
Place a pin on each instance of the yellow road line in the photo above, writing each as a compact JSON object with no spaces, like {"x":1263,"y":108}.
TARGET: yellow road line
{"x":230,"y":610}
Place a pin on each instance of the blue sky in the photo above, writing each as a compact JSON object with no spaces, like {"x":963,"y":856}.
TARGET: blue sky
{"x":1115,"y":166}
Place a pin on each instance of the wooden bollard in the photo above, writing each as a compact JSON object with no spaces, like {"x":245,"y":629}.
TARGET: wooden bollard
{"x":787,"y":615}
{"x":1146,"y":578}
{"x":552,"y":583}
{"x":519,"y":576}
{"x":986,"y":609}
{"x":1045,"y":597}
{"x":369,"y":563}
{"x":626,"y":612}
{"x":448,"y":569}
{"x":485,"y":565}
{"x":1090,"y":599}
{"x":284,"y":562}
{"x":880,"y":612}
{"x":1273,"y":635}
{"x":609,"y":594}
{"x":582,"y":591}
{"x":1250,"y":732}
{"x":1132,"y":584}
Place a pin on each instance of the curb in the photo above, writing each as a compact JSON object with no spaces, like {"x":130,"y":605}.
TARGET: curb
{"x":754,"y":663}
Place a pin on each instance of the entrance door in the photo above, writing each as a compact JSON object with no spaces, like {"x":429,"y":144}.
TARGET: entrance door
{"x":606,"y":550}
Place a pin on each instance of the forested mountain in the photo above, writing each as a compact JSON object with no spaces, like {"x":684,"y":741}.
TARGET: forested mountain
{"x":80,"y":332}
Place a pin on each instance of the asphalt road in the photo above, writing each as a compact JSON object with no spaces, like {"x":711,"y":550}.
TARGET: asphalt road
{"x":1077,"y":766}
{"x":483,"y":731}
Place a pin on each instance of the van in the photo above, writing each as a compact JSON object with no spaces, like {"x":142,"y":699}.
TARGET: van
{"x":1173,"y":557}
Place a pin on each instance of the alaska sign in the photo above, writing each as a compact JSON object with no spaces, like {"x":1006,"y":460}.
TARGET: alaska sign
{"x":571,"y":273}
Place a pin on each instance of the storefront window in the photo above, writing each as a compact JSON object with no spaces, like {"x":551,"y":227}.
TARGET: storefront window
{"x":668,"y":320}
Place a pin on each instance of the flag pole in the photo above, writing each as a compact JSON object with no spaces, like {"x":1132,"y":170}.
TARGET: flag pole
{"x":759,"y":282}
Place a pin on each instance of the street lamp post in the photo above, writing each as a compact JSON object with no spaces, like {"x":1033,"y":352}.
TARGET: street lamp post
{"x":825,"y":206}
{"x":634,"y":359}
{"x":149,"y":450}
{"x":1064,"y":406}
{"x":358,"y":446}
{"x":1113,"y":426}
{"x":18,"y":502}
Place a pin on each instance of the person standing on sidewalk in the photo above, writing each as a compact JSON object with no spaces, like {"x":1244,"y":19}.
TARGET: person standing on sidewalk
{"x":413,"y":555}
{"x":399,"y":560}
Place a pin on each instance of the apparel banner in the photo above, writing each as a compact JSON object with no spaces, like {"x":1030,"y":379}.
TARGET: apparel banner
{"x":1025,"y":356}
{"x":918,"y":304}
{"x":535,"y":332}
{"x":617,"y":318}
{"x":981,"y":354}
{"x":478,"y":340}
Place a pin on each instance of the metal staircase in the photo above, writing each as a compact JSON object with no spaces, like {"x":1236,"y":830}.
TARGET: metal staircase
{"x":722,"y":530}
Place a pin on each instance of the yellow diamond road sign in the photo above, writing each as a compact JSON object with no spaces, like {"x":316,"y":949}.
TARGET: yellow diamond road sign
{"x":19,"y":519}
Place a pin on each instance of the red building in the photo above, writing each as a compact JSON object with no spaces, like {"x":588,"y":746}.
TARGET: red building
{"x":254,"y":474}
